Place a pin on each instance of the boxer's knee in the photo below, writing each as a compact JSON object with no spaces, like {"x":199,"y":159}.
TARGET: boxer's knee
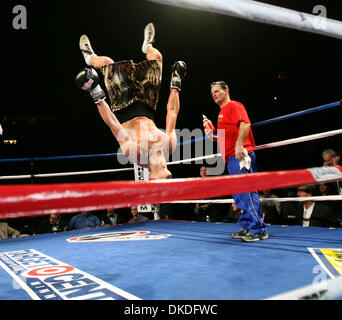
{"x":153,"y":54}
{"x":101,"y":61}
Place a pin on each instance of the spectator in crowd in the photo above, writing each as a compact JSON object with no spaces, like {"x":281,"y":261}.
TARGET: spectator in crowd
{"x":26,"y":225}
{"x":54,"y":223}
{"x":325,"y":190}
{"x":156,"y":211}
{"x":166,"y":210}
{"x":209,"y":211}
{"x":332,"y":158}
{"x":270,"y":210}
{"x":203,"y":172}
{"x":84,"y":220}
{"x":313,"y":213}
{"x":111,"y":217}
{"x":136,"y":216}
{"x":336,"y":206}
{"x":7,"y":232}
{"x":288,"y":209}
{"x":201,"y":210}
{"x":233,"y":214}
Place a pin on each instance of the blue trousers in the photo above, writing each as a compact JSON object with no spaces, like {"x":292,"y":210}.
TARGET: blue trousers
{"x":249,"y":203}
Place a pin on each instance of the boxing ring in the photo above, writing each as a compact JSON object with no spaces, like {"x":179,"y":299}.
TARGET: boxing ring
{"x":166,"y":260}
{"x":170,"y":259}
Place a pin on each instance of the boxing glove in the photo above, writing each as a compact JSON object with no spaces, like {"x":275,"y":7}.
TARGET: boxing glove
{"x":88,"y":80}
{"x":178,"y":72}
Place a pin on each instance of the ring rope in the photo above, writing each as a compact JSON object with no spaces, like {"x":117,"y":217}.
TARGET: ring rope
{"x":272,"y":200}
{"x":264,"y":122}
{"x":264,"y":13}
{"x":62,"y":157}
{"x":298,"y":114}
{"x":300,"y":139}
{"x":281,"y":118}
{"x":41,"y":199}
{"x":264,"y":146}
{"x":325,"y":290}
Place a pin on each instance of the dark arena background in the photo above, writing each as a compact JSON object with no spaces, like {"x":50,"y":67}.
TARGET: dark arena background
{"x":49,"y":126}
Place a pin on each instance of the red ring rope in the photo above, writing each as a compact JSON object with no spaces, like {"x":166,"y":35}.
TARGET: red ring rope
{"x":33,"y":200}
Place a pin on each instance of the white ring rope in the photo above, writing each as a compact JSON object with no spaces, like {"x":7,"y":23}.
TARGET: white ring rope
{"x":275,"y":200}
{"x":57,"y":174}
{"x":300,"y":139}
{"x":270,"y":145}
{"x":60,"y":174}
{"x":324,"y":290}
{"x":266,"y":13}
{"x":264,"y":146}
{"x":194,"y":159}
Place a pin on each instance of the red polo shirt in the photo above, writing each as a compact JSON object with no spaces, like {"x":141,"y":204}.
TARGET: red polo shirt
{"x":229,"y":120}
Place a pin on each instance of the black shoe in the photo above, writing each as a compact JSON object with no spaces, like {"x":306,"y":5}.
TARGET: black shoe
{"x":253,"y":237}
{"x":239,"y":235}
{"x":264,"y":235}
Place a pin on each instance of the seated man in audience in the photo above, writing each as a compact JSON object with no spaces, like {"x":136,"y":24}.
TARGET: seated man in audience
{"x":325,"y":190}
{"x":136,"y":215}
{"x":233,"y":214}
{"x":7,"y":232}
{"x":111,"y":217}
{"x":311,"y":213}
{"x":214,"y":212}
{"x":54,"y":223}
{"x":332,"y":158}
{"x":270,"y":210}
{"x":202,"y":210}
{"x":84,"y":220}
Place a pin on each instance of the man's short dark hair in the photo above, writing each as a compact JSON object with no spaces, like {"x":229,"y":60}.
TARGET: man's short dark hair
{"x":222,"y":84}
{"x":308,"y":188}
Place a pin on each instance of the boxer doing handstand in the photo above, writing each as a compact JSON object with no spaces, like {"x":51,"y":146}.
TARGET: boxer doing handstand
{"x":133,"y":90}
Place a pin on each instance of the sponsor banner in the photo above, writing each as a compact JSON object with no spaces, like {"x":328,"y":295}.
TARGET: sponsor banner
{"x":119,"y":236}
{"x":326,"y":173}
{"x":144,"y":208}
{"x":45,"y":278}
{"x":329,"y":259}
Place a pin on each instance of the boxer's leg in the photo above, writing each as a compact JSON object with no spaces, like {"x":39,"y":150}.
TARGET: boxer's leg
{"x":147,"y":46}
{"x":251,"y":216}
{"x":101,"y":61}
{"x":153,"y":53}
{"x":90,"y":57}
